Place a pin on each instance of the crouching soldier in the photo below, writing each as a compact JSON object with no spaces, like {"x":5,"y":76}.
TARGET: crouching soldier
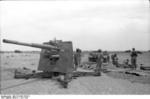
{"x":99,"y":63}
{"x":126,"y":64}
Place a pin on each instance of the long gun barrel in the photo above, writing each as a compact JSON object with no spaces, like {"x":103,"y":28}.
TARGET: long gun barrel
{"x":42,"y":46}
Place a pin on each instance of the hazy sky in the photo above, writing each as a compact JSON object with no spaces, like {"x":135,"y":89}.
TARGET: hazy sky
{"x":90,"y":25}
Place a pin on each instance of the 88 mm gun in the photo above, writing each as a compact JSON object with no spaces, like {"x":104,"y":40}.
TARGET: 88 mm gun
{"x":56,"y":57}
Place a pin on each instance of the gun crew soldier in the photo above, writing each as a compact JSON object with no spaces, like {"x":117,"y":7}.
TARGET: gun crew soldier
{"x":134,"y":58}
{"x":77,"y":58}
{"x":99,"y":63}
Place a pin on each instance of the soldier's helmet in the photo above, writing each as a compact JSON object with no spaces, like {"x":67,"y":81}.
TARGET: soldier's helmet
{"x":77,"y":50}
{"x":133,"y":49}
{"x":99,"y":51}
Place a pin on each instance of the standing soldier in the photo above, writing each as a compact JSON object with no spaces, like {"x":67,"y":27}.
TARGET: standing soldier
{"x":115,"y":60}
{"x":99,"y":63}
{"x":108,"y":58}
{"x":112,"y":58}
{"x":77,"y":58}
{"x":105,"y":56}
{"x":133,"y":58}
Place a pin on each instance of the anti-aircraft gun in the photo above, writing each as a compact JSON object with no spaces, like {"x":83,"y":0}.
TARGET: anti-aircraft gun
{"x":56,"y":57}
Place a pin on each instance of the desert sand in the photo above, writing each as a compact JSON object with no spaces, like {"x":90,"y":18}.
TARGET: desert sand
{"x":108,"y":83}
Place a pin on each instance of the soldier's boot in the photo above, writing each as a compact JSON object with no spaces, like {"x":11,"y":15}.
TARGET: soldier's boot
{"x":65,"y":84}
{"x":98,"y":73}
{"x":67,"y":79}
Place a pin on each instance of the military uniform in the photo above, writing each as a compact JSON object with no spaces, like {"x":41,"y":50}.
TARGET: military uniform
{"x":99,"y":64}
{"x":116,"y":61}
{"x":133,"y":59}
{"x":77,"y":59}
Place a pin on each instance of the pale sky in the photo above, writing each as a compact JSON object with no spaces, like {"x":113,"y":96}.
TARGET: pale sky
{"x":90,"y":25}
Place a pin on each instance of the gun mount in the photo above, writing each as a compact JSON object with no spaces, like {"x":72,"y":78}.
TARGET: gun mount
{"x":55,"y":57}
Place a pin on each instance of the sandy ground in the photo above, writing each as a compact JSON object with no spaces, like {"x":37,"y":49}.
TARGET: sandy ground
{"x":108,"y":83}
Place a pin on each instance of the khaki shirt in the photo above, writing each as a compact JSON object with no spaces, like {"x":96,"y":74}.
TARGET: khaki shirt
{"x":100,"y":59}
